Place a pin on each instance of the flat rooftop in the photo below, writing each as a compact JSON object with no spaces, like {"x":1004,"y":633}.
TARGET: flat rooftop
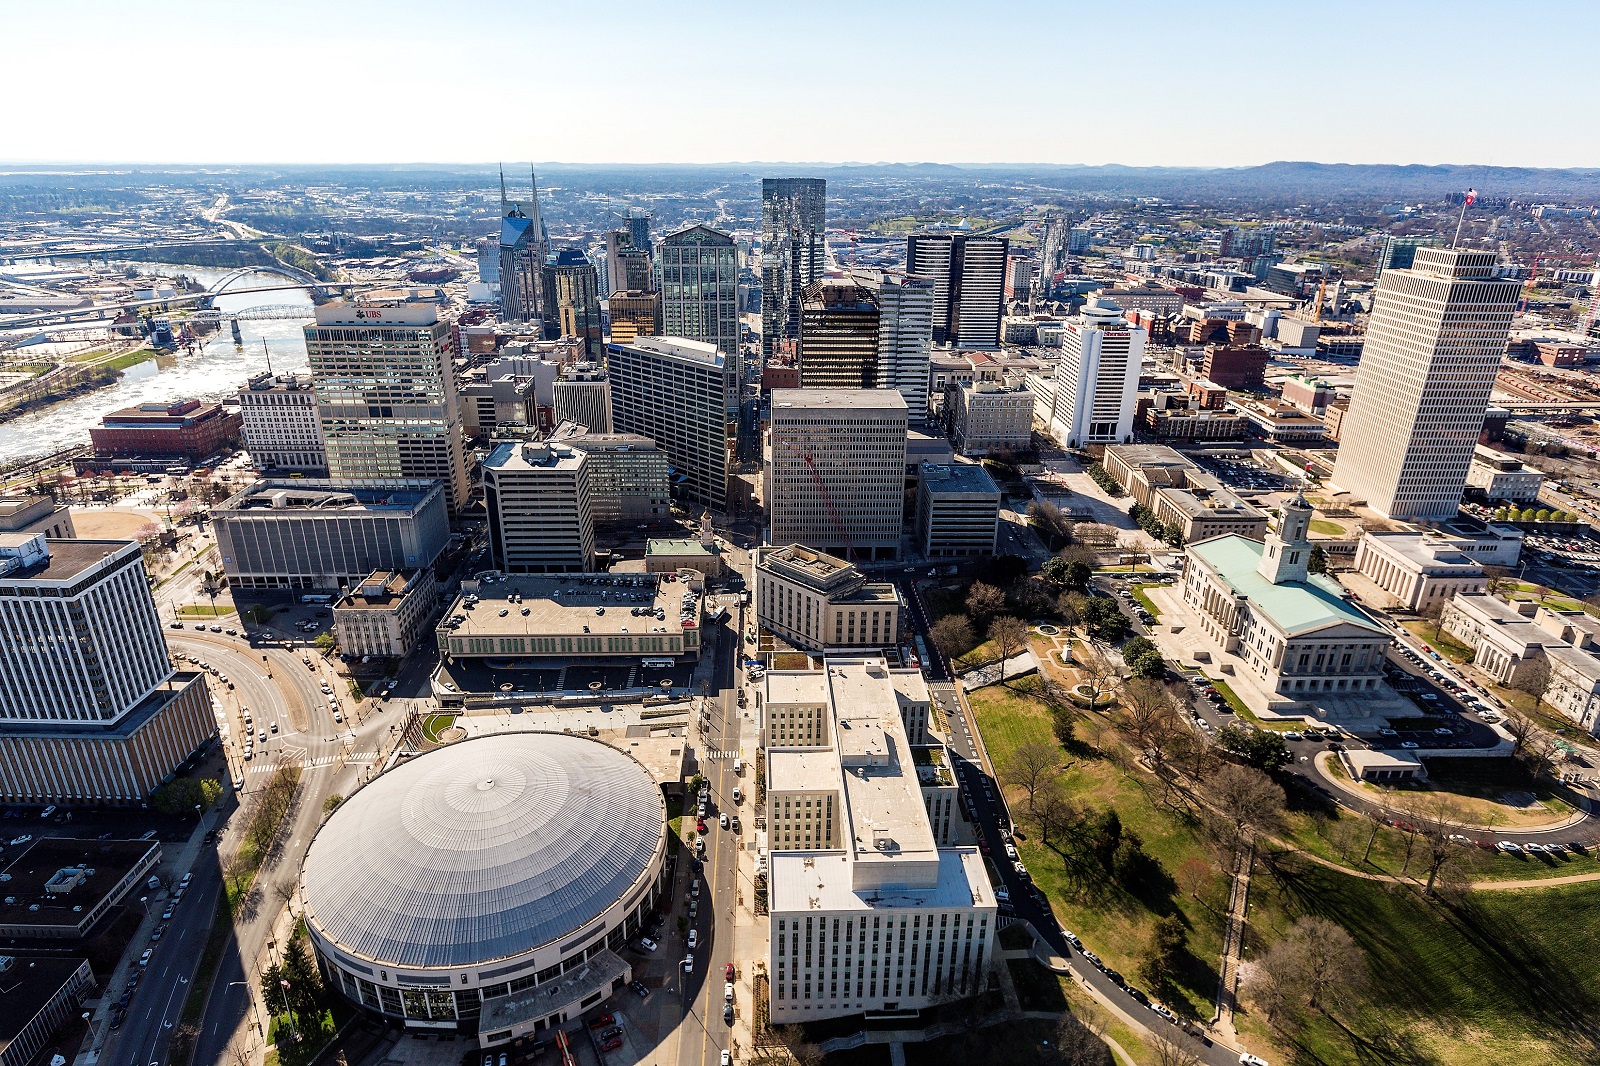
{"x":394,"y":584}
{"x":601,"y":604}
{"x":676,"y":348}
{"x":826,"y":399}
{"x":302,"y":495}
{"x":27,"y":985}
{"x":106,"y":863}
{"x":68,"y":559}
{"x":1425,"y":551}
{"x":963,"y":478}
{"x":520,"y":456}
{"x":676,"y":546}
{"x":595,"y":975}
{"x":821,"y":881}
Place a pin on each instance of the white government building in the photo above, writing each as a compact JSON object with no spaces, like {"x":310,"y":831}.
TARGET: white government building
{"x":871,"y":908}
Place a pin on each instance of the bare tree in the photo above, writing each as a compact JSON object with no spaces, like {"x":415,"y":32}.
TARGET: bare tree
{"x":1521,"y":728}
{"x":1010,"y":636}
{"x":984,"y":601}
{"x":1078,"y":1041}
{"x":953,"y":636}
{"x":1534,"y":678}
{"x":1069,"y":605}
{"x":1435,"y":816}
{"x":1029,"y":766}
{"x":1176,"y":1050}
{"x":1150,"y":715}
{"x":1195,"y":876}
{"x":1053,"y":810}
{"x":1248,"y":798}
{"x":1100,"y":673}
{"x":1433,"y":615}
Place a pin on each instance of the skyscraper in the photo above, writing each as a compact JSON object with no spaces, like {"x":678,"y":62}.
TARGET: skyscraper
{"x":700,"y":290}
{"x":634,"y":314}
{"x":794,"y":221}
{"x":639,"y":228}
{"x":836,"y":473}
{"x":537,"y":499}
{"x":682,"y":395}
{"x":583,"y":394}
{"x":1095,"y":391}
{"x":905,"y":333}
{"x":839,"y":336}
{"x":386,"y":393}
{"x":524,"y":247}
{"x":627,"y":265}
{"x":1433,"y":348}
{"x":574,"y":289}
{"x":969,"y":277}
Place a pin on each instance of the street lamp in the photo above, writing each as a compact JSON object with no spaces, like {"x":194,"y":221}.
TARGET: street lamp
{"x":260,"y":1028}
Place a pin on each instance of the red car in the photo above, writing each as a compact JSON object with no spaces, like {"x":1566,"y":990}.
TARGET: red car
{"x":727,"y":972}
{"x":700,"y":826}
{"x":601,"y":1022}
{"x":612,"y":1044}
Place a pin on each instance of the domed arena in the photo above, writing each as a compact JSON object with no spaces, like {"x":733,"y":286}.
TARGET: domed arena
{"x":488,"y":886}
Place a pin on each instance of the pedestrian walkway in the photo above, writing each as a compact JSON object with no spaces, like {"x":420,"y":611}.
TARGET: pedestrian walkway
{"x":1233,"y":944}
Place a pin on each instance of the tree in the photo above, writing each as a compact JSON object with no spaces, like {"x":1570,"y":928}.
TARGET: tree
{"x":1436,"y":815}
{"x":1054,"y":573}
{"x":1104,"y":621}
{"x":1070,"y":607}
{"x":1261,"y":748}
{"x":1063,"y":725}
{"x":1318,"y":563}
{"x":1053,"y":527}
{"x":1498,"y":580}
{"x":1010,"y":636}
{"x":1078,"y":1040}
{"x":1150,"y":713}
{"x":1100,"y":674}
{"x":1096,"y":533}
{"x":324,"y":642}
{"x":1249,"y":799}
{"x":1029,"y":766}
{"x":1052,"y":809}
{"x":1144,"y":659}
{"x":1330,"y":969}
{"x":953,"y":636}
{"x":1533,"y":677}
{"x":1433,"y":615}
{"x":984,"y":601}
{"x":1175,"y":1050}
{"x":1195,"y":876}
{"x":1521,"y":728}
{"x":1168,"y":942}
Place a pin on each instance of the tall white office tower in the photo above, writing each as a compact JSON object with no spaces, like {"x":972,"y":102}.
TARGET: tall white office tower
{"x":836,"y":474}
{"x":905,"y":334}
{"x":969,"y":280}
{"x":1097,"y":380}
{"x":1433,"y":347}
{"x":583,"y":394}
{"x":386,"y":393}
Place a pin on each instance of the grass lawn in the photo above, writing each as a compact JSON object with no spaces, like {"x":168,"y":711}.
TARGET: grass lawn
{"x":1112,"y":920}
{"x":1143,"y":600}
{"x":1444,"y":643}
{"x":436,"y":724}
{"x":203,"y":610}
{"x":1327,"y":528}
{"x":1467,"y":982}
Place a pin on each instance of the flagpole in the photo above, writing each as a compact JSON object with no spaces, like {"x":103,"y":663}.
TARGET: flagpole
{"x":1465,"y":201}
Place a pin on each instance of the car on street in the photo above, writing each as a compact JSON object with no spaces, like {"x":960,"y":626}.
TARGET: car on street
{"x":688,"y":963}
{"x":726,"y":1059}
{"x":694,"y":939}
{"x":723,"y":821}
{"x":640,"y":990}
{"x":727,"y":1013}
{"x":727,"y":992}
{"x":728,"y":972}
{"x":1409,"y":744}
{"x":647,"y":944}
{"x":166,"y":915}
{"x":1506,"y":845}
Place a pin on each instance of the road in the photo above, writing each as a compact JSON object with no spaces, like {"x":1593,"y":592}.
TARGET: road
{"x":703,"y":1034}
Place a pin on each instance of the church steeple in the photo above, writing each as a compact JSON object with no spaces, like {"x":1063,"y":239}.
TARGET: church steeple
{"x":1288,"y":552}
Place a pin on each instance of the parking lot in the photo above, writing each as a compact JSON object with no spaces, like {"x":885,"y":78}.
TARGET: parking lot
{"x":1243,"y":474}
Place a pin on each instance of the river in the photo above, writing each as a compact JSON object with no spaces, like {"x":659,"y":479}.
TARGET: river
{"x":217,"y":369}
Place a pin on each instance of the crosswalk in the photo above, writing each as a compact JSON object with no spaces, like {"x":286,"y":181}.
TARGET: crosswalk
{"x":311,"y":764}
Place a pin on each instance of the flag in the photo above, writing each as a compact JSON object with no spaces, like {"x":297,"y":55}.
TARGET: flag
{"x":285,"y":984}
{"x":1472,"y":194}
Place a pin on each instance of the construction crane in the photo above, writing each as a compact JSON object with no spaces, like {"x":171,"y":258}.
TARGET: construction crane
{"x":827,"y":499}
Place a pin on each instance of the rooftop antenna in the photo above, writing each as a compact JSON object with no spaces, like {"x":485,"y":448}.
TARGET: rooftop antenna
{"x":502,"y":188}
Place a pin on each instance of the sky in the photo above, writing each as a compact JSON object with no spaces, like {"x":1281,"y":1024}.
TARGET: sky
{"x":1148,"y":82}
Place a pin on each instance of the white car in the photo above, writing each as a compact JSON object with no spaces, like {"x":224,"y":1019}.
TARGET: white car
{"x":727,"y":1058}
{"x":647,"y":944}
{"x":688,"y":963}
{"x":727,"y":992}
{"x":694,"y":939}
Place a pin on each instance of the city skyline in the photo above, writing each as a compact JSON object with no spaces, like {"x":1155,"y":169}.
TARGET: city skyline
{"x":1414,"y":111}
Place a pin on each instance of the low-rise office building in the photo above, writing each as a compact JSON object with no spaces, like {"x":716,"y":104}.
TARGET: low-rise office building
{"x":958,"y":511}
{"x":387,"y":614}
{"x":1421,"y":570}
{"x":36,"y":514}
{"x":59,"y":888}
{"x":38,"y":993}
{"x":869,"y":912}
{"x":578,"y":618}
{"x":1180,"y":493}
{"x":819,"y":602}
{"x":987,"y":416}
{"x":630,"y":477}
{"x":320,"y":534}
{"x":1503,"y":477}
{"x":1509,"y":640}
{"x":668,"y":555}
{"x":183,"y":429}
{"x":1282,"y":423}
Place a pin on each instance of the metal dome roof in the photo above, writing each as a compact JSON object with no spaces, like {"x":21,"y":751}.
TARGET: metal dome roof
{"x":483,"y":850}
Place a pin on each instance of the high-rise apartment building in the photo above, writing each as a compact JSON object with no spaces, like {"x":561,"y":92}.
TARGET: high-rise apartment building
{"x":905,"y":335}
{"x":524,"y":247}
{"x":836,"y":471}
{"x":583,"y":394}
{"x":700,"y":290}
{"x":573,"y":288}
{"x":537,"y":499}
{"x":839,"y":329}
{"x":683,"y":395}
{"x":794,"y":221}
{"x":282,"y":430}
{"x":91,"y":710}
{"x":1433,"y":347}
{"x":969,"y":279}
{"x":1093,"y":395}
{"x":634,"y":313}
{"x":386,"y":393}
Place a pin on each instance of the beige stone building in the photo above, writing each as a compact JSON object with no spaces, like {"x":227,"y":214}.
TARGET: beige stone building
{"x":1421,"y":570}
{"x":1507,"y":639}
{"x":819,"y":602}
{"x":387,"y":614}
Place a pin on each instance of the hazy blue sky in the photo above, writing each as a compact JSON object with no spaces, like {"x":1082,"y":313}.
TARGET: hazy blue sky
{"x":1224,"y":82}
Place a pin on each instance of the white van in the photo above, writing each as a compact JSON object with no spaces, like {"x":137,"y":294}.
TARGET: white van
{"x":738,"y":770}
{"x":1001,"y":895}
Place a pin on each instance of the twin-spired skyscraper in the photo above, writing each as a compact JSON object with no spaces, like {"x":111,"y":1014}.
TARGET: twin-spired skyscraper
{"x":1433,"y":348}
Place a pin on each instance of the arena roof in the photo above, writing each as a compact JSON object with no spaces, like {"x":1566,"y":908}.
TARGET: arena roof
{"x":483,"y":850}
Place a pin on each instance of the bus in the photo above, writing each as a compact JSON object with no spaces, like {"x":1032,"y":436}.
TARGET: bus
{"x":316,"y":597}
{"x":658,"y":664}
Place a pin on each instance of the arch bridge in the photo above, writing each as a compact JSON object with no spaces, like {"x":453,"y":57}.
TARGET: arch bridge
{"x":319,"y":289}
